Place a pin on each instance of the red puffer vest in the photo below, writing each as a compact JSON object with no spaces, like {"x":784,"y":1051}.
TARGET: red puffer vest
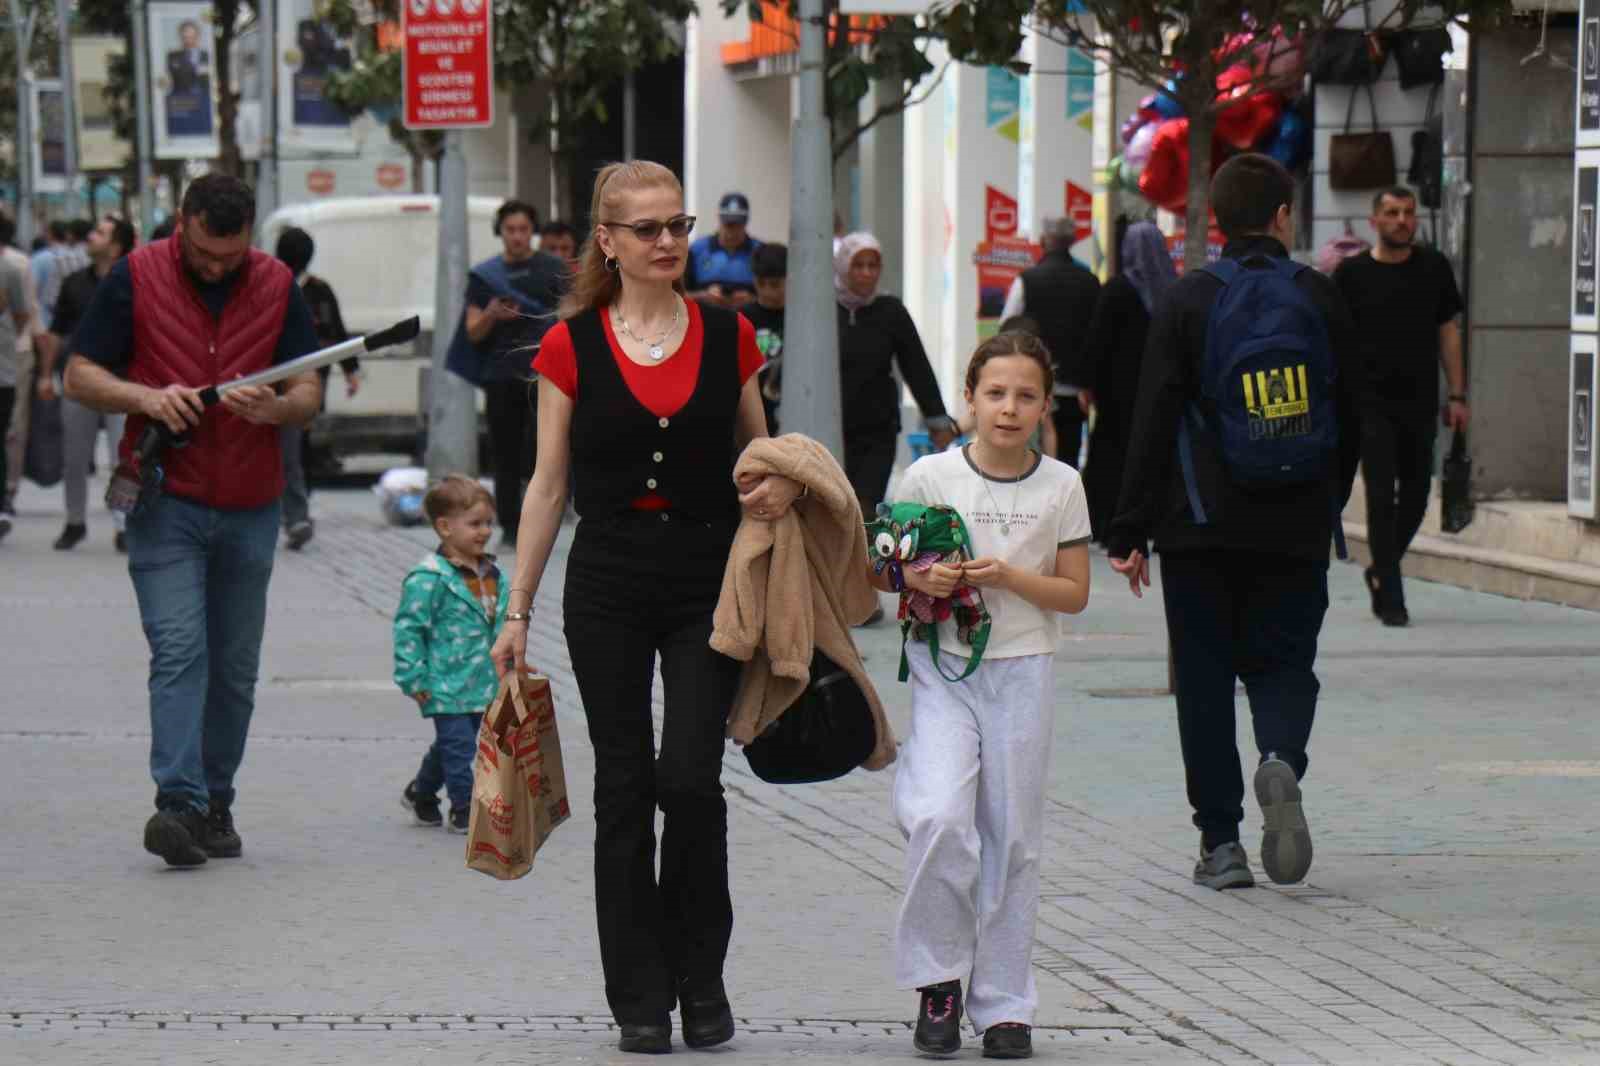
{"x":229,"y":464}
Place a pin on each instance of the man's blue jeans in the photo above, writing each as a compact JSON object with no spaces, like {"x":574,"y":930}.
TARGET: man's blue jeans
{"x":201,"y":578}
{"x":449,"y":759}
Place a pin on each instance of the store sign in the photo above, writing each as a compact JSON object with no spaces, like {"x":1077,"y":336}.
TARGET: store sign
{"x":1000,"y":261}
{"x":999,"y":214}
{"x":1586,"y":199}
{"x":1581,"y":472}
{"x":391,"y":175}
{"x":1589,"y":77}
{"x":448,"y":64}
{"x":1080,"y":208}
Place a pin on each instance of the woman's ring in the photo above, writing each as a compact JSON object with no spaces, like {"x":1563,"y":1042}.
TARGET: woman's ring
{"x":762,"y":512}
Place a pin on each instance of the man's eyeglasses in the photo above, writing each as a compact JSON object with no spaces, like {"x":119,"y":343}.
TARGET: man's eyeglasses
{"x":649,"y":231}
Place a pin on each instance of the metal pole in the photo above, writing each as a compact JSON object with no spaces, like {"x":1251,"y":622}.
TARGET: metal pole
{"x":810,"y":320}
{"x":630,"y":117}
{"x":141,"y":118}
{"x":69,"y":107}
{"x":452,"y":406}
{"x":22,"y":30}
{"x":267,"y":69}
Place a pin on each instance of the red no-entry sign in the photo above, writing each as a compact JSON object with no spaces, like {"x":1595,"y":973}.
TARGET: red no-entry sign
{"x":448,"y":64}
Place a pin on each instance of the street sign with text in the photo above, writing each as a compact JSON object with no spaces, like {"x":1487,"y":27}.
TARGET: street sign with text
{"x":448,"y":64}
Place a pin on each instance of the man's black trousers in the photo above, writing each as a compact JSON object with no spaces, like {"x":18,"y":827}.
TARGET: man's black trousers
{"x":510,"y":409}
{"x":639,"y":586}
{"x":1249,"y":617}
{"x":1397,"y":468}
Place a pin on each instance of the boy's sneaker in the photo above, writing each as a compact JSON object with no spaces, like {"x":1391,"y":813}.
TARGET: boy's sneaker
{"x":178,"y":835}
{"x":1285,"y":837}
{"x":425,"y":809}
{"x":460,"y":818}
{"x":939,"y":1019}
{"x":1224,"y":866}
{"x":1008,"y":1040}
{"x":222,"y":839}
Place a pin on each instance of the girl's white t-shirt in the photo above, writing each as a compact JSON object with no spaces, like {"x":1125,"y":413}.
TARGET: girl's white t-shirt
{"x":1045,"y":509}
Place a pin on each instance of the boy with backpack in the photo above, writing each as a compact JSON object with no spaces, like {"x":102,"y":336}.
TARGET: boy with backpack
{"x":1244,"y":447}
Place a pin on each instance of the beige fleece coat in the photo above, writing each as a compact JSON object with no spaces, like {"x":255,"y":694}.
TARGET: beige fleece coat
{"x":794,"y":586}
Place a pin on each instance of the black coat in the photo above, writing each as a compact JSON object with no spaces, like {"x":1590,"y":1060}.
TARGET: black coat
{"x":1112,"y":353}
{"x":1060,"y":296}
{"x":872,"y":341}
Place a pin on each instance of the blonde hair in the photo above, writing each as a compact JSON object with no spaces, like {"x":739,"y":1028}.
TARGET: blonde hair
{"x":595,"y":286}
{"x":454,"y":494}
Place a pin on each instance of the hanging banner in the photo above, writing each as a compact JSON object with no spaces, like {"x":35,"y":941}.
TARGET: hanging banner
{"x":447,"y":69}
{"x":249,"y":123}
{"x":99,"y":147}
{"x":311,"y":51}
{"x":1581,"y":467}
{"x":183,"y":99}
{"x":49,"y":120}
{"x":1586,"y":200}
{"x":1589,"y":76}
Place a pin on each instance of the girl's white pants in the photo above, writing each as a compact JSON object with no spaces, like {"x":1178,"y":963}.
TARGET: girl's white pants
{"x":969,"y":797}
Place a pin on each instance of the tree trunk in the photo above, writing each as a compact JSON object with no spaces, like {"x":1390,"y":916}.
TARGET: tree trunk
{"x":1197,"y":214}
{"x":229,"y":159}
{"x":418,"y":180}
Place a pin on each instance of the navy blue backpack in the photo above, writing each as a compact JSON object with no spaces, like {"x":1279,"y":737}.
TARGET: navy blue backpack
{"x":1268,"y":376}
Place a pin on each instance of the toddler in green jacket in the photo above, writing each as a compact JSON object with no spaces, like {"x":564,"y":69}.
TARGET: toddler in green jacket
{"x":451,"y":606}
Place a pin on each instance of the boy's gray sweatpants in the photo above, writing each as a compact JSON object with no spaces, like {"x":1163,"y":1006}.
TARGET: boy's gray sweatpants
{"x":969,"y":797}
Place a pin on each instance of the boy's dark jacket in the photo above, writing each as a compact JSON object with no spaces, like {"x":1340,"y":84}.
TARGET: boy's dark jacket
{"x":1294,"y":521}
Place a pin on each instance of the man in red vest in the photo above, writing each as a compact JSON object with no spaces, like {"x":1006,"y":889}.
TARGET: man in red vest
{"x":198,"y":308}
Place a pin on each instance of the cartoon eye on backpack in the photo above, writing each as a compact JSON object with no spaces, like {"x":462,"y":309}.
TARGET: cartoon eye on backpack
{"x":917,"y":536}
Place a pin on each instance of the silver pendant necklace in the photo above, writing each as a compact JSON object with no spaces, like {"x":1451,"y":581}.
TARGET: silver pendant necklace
{"x":653,"y":348}
{"x":1016,"y":493}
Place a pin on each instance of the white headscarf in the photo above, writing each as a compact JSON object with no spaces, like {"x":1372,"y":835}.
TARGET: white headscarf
{"x":849,"y":247}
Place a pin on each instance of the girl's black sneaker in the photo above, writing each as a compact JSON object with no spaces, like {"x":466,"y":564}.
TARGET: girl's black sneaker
{"x":460,"y":818}
{"x":425,"y":809}
{"x":939,"y":1019}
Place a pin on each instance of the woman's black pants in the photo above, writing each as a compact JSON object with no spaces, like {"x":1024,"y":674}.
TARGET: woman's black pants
{"x":641,"y":586}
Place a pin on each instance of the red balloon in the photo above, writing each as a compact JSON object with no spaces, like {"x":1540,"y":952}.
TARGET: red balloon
{"x":1165,"y":179}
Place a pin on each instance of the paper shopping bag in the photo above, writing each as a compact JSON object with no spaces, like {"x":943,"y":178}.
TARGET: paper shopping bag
{"x":519,"y":789}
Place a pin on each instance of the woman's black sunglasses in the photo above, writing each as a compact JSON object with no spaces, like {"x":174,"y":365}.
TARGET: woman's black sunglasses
{"x":649,"y":230}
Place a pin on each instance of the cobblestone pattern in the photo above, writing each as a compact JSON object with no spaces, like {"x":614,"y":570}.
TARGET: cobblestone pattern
{"x":1275,"y":975}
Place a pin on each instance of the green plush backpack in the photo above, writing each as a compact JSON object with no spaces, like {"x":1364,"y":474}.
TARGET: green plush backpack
{"x":918,"y":535}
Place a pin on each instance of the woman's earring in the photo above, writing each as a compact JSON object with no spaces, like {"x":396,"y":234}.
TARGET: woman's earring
{"x":611,"y":264}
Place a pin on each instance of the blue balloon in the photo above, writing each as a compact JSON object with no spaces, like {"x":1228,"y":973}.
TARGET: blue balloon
{"x":1291,"y":145}
{"x":1164,"y":105}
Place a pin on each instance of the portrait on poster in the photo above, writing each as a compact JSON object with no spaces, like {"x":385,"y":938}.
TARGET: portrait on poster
{"x":182,"y":50}
{"x":312,"y":52}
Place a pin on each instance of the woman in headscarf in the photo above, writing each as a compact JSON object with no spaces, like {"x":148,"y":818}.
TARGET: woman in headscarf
{"x":875,"y":335}
{"x":1114,"y":350}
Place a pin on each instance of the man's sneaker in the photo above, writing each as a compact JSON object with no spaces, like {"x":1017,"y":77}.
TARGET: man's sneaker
{"x":222,"y":839}
{"x":5,"y":526}
{"x":1224,"y":866}
{"x":1285,"y":838}
{"x":177,"y":835}
{"x":71,"y":536}
{"x":425,"y":809}
{"x":939,"y":1019}
{"x":300,"y":534}
{"x":460,"y":818}
{"x":1008,"y":1040}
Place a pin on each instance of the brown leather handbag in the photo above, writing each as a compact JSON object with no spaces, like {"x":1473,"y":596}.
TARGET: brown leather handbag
{"x":1358,"y":161}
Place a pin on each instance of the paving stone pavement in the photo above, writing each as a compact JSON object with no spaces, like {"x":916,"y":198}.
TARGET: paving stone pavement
{"x":1135,"y":963}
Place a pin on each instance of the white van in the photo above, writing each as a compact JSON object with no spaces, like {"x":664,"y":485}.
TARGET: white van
{"x":380,"y":254}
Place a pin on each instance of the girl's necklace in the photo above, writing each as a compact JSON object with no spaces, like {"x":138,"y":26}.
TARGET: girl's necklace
{"x":652,"y":348}
{"x":1016,"y":494}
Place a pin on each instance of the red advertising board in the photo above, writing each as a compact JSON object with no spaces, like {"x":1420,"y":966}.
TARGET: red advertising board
{"x":1080,"y":208}
{"x":1000,"y":260}
{"x":999,"y":214}
{"x":448,"y":64}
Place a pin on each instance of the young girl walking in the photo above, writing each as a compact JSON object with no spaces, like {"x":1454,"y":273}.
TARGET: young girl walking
{"x":969,"y":792}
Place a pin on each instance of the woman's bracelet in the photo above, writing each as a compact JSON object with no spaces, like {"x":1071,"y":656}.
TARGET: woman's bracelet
{"x":520,"y":616}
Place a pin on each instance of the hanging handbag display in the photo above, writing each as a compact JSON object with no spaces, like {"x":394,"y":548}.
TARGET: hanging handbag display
{"x":1336,"y":250}
{"x":1426,"y":173}
{"x":1359,"y":161}
{"x":1419,"y":56}
{"x":1348,"y":57}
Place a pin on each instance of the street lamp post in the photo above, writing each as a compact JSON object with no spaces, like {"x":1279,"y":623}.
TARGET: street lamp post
{"x":141,"y":118}
{"x":811,"y":402}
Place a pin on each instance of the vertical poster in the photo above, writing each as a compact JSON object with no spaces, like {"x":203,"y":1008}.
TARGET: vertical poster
{"x":1589,"y":76}
{"x":1580,"y":434}
{"x":99,"y":147}
{"x":183,"y":94}
{"x":249,"y":122}
{"x":1585,"y":200}
{"x":1080,"y":88}
{"x":310,"y":50}
{"x":49,"y":119}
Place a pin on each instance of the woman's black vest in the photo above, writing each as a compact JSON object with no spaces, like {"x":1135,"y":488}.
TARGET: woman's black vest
{"x":621,"y":450}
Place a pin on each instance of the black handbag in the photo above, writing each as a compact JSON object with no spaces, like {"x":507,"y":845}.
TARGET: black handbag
{"x":1456,"y":509}
{"x":1419,"y":56}
{"x":1358,"y":161}
{"x":1426,"y":173}
{"x":1348,"y":57}
{"x":828,"y":731}
{"x":43,"y":456}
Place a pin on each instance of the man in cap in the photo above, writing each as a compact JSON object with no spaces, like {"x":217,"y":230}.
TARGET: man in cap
{"x":719,"y":265}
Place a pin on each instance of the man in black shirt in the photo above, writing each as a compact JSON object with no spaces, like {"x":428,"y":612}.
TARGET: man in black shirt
{"x":108,"y":243}
{"x":1245,"y":578}
{"x":1404,"y":301}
